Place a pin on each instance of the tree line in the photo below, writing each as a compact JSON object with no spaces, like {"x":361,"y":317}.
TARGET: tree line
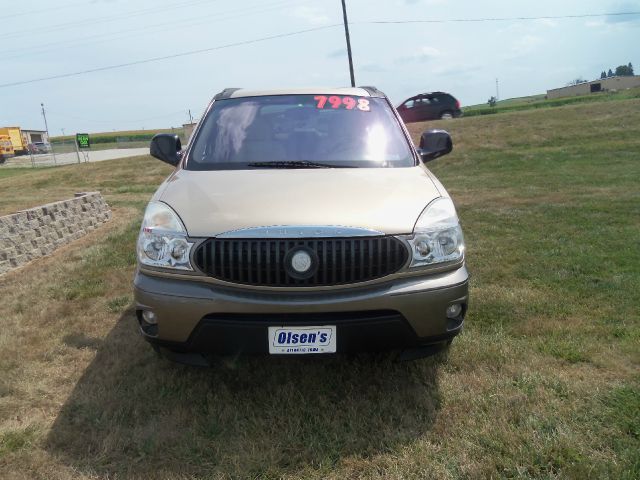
{"x":621,"y":71}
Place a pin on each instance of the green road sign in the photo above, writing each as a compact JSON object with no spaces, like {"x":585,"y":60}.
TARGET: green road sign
{"x":83,"y":140}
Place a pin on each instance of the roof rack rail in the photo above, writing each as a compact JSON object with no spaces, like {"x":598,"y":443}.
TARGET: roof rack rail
{"x":226,"y":93}
{"x":373,"y":91}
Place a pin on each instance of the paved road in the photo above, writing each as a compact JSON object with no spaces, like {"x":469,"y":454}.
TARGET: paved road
{"x":67,"y":158}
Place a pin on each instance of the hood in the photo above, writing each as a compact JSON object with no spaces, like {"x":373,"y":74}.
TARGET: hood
{"x":214,"y":202}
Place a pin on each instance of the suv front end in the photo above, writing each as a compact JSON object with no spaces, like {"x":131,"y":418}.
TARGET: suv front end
{"x":294,"y":255}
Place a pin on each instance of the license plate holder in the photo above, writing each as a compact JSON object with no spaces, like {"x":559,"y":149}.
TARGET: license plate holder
{"x":302,"y":340}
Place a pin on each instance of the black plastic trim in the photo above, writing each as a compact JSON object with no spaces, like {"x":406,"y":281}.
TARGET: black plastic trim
{"x":373,"y":91}
{"x":226,"y":93}
{"x":364,"y":331}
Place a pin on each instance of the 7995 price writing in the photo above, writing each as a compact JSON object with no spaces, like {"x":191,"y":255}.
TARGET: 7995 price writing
{"x":335,"y":102}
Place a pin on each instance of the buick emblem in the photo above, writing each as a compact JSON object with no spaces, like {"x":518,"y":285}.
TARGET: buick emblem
{"x":301,"y":261}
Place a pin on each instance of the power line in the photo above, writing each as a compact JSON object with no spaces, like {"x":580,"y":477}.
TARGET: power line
{"x":102,"y":37}
{"x":15,"y":53}
{"x":93,"y":21}
{"x":495,"y":19}
{"x":42,"y":10}
{"x":175,"y":55}
{"x":289,"y":34}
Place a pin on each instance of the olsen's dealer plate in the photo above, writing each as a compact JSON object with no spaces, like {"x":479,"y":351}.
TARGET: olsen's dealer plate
{"x":301,"y":340}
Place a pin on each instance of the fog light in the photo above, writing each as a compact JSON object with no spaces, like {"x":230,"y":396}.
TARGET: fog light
{"x":149,"y":317}
{"x":454,"y":311}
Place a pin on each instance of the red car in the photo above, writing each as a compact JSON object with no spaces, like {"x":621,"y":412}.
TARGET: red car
{"x":429,"y":106}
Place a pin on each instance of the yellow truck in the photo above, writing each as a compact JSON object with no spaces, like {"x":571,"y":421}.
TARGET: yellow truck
{"x":6,"y":148}
{"x":15,"y":136}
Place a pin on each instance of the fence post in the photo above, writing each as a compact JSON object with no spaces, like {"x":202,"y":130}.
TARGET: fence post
{"x":33,"y":165}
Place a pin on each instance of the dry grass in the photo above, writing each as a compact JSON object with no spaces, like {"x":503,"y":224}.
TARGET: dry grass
{"x":125,"y":182}
{"x":543,"y":383}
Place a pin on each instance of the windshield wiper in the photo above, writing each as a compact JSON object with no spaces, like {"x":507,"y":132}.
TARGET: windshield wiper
{"x":294,"y":164}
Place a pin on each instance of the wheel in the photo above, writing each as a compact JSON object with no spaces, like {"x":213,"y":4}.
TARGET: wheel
{"x":446,"y":116}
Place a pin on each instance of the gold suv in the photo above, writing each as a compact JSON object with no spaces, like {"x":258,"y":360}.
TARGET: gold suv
{"x":300,"y":221}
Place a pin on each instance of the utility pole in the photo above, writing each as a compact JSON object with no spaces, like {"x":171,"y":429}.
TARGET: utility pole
{"x":190,"y":117}
{"x":46,"y":127}
{"x":346,"y":33}
{"x":75,"y":142}
{"x":62,"y":131}
{"x":497,"y":91}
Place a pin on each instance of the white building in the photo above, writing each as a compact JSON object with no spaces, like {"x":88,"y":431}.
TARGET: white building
{"x":33,"y":136}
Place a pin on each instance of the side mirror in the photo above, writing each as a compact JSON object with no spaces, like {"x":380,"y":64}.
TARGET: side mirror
{"x":166,"y":147}
{"x":434,"y":144}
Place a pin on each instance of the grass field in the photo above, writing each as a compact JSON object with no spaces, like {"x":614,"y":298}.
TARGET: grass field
{"x":121,"y":133}
{"x":509,"y":102}
{"x":543,"y":383}
{"x":540,"y":101}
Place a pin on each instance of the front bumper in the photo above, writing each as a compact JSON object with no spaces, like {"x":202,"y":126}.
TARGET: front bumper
{"x":198,"y":316}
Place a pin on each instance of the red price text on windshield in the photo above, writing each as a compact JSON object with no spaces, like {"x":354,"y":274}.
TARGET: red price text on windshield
{"x":336,"y":102}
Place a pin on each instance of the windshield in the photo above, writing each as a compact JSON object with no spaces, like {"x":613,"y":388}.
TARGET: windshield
{"x":271,"y":131}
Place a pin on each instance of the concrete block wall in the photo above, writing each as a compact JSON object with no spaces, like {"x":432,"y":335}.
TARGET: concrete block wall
{"x":38,"y":231}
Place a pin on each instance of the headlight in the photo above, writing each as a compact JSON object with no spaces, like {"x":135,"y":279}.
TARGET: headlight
{"x":437,"y":236}
{"x":163,"y":239}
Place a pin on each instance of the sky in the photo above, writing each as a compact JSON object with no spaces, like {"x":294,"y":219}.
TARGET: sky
{"x":42,"y":38}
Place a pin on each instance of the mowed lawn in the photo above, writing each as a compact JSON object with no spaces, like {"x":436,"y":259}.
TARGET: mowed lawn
{"x":543,"y":383}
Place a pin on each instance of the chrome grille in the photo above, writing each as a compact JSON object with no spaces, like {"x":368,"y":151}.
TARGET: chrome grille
{"x":262,"y":261}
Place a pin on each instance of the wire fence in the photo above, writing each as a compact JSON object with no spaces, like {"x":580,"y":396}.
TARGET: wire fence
{"x":65,"y":151}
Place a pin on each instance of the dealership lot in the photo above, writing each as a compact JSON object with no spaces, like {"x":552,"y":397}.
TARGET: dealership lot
{"x":543,"y":383}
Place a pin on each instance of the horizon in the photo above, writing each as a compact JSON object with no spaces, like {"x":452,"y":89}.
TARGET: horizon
{"x":460,"y":48}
